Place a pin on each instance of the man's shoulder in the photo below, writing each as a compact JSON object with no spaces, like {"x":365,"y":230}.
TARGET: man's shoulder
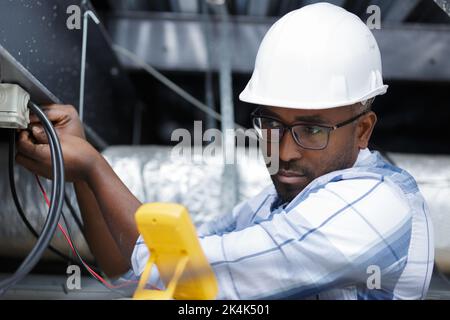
{"x":375,"y":164}
{"x":368,"y":195}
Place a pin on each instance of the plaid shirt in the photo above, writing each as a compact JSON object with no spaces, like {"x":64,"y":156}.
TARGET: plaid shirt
{"x":332,"y":241}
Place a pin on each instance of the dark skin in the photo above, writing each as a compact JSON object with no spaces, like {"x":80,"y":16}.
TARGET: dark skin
{"x":106,"y":204}
{"x":108,"y":207}
{"x":341,"y":152}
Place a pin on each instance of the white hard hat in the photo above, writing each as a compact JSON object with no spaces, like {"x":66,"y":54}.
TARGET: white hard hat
{"x":317,"y":57}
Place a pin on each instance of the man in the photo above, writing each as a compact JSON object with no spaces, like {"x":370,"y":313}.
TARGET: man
{"x":339,"y":222}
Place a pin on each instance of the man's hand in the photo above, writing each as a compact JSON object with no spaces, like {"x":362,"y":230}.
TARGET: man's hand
{"x":106,"y":204}
{"x":34,"y":155}
{"x":34,"y":151}
{"x":65,"y":119}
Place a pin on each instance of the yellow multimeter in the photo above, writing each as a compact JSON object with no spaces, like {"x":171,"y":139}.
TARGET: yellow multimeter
{"x":175,"y":250}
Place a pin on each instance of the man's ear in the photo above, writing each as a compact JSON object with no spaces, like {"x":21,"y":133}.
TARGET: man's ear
{"x":365,"y":129}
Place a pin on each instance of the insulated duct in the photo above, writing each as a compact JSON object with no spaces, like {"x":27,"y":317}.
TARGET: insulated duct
{"x":153,"y":175}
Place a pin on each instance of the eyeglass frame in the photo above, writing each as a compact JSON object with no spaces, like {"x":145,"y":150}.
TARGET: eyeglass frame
{"x":329,"y":129}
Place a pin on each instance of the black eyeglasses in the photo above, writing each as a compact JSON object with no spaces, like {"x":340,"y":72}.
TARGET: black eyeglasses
{"x":308,"y":136}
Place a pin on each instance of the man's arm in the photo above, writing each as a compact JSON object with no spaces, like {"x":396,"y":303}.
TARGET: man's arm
{"x":81,"y":159}
{"x":98,"y":236}
{"x":117,"y":204}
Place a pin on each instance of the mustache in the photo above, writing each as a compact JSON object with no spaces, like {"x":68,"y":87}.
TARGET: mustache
{"x":295,"y":167}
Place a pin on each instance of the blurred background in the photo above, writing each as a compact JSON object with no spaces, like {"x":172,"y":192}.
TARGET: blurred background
{"x":183,"y":38}
{"x":153,"y":66}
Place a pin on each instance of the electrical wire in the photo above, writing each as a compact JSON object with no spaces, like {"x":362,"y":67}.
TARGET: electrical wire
{"x":68,"y":236}
{"x":78,"y":222}
{"x":12,"y":185}
{"x":11,"y":163}
{"x":55,"y":207}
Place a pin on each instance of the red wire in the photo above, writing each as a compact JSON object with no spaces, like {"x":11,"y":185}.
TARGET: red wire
{"x":69,"y":241}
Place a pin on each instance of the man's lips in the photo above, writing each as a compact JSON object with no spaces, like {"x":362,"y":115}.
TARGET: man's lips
{"x":290,"y":177}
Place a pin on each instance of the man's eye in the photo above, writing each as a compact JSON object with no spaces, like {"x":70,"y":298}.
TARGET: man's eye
{"x":272,"y":124}
{"x":275,"y":124}
{"x":311,"y":130}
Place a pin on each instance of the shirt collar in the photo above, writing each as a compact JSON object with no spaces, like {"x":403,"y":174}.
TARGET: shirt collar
{"x":363,"y":156}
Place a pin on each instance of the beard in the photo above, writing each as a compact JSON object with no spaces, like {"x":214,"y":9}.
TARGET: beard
{"x":288,"y":191}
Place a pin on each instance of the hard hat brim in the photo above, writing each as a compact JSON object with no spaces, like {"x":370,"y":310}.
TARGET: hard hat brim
{"x":248,"y":97}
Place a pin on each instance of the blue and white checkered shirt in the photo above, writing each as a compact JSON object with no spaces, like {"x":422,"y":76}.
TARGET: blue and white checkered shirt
{"x":358,"y":233}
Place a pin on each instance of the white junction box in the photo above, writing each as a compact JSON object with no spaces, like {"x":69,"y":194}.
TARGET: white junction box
{"x":14,"y":112}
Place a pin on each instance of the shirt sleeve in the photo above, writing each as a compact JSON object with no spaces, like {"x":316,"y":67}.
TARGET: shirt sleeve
{"x":240,"y":217}
{"x":139,"y":259}
{"x":329,"y":239}
{"x":223,"y":224}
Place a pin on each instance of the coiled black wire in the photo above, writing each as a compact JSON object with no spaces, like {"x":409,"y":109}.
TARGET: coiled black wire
{"x":56,"y":204}
{"x":25,"y":219}
{"x":15,"y":197}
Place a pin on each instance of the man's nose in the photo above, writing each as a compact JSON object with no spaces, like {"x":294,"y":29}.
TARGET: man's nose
{"x":289,"y":149}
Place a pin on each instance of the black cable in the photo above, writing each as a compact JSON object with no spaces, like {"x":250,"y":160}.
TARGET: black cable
{"x":57,"y":167}
{"x":12,"y":185}
{"x":11,"y":164}
{"x":52,"y":145}
{"x":21,"y":212}
{"x":54,"y":213}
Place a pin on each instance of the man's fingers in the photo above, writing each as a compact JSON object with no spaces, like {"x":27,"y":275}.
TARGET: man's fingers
{"x":54,"y":115}
{"x":39,"y":134}
{"x":38,"y":152}
{"x":24,"y":144}
{"x":55,"y":112}
{"x":34,"y":118}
